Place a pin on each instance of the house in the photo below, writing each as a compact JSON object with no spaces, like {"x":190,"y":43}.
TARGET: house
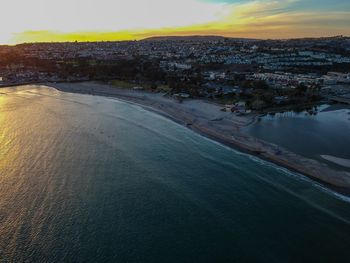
{"x":239,"y":107}
{"x":221,"y":89}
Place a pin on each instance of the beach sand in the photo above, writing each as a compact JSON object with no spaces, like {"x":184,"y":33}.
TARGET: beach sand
{"x":225,"y":127}
{"x":339,"y":161}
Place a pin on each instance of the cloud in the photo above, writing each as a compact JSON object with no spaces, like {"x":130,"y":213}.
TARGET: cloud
{"x":69,"y":20}
{"x":78,"y":15}
{"x":285,"y":19}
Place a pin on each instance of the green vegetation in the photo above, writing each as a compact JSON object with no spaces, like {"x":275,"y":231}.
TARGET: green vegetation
{"x":163,"y":88}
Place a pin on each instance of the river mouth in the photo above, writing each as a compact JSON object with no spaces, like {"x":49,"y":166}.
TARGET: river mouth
{"x":93,"y":179}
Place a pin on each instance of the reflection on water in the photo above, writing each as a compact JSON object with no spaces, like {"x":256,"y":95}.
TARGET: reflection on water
{"x":324,"y":133}
{"x":91,"y":179}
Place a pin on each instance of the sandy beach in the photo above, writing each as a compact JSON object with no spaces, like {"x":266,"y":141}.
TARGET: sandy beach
{"x":340,"y":161}
{"x":207,"y":119}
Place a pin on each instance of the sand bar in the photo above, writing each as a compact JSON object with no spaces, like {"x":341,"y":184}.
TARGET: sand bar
{"x":340,"y":161}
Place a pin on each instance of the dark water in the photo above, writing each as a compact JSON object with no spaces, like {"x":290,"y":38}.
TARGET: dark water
{"x":91,"y":179}
{"x":327,"y":133}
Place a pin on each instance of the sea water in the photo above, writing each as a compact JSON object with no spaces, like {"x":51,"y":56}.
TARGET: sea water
{"x":92,"y":179}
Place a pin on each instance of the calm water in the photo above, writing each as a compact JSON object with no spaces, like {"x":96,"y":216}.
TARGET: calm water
{"x":326,"y":133}
{"x":91,"y":179}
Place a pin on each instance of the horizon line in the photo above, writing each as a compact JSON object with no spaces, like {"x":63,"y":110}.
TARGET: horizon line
{"x":174,"y":36}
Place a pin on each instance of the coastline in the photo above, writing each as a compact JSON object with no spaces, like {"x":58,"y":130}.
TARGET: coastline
{"x":207,"y":120}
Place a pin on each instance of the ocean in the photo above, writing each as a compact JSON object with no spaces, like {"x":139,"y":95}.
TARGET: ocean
{"x":93,"y":179}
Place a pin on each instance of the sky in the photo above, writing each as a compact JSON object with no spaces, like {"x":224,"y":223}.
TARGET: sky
{"x":95,"y":20}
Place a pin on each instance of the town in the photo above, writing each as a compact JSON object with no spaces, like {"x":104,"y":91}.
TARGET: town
{"x":243,"y":74}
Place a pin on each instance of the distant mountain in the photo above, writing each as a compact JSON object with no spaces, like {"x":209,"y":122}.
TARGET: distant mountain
{"x":196,"y":38}
{"x":218,"y":38}
{"x":185,"y":38}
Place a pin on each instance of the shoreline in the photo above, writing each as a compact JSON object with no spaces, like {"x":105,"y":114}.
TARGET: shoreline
{"x":207,"y":119}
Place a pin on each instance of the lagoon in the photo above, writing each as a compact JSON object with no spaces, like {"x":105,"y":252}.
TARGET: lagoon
{"x":326,"y":133}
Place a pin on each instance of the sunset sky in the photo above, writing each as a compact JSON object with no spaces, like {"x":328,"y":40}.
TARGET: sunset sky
{"x":90,"y":20}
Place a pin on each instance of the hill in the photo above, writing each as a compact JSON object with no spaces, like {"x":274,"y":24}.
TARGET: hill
{"x":184,"y":38}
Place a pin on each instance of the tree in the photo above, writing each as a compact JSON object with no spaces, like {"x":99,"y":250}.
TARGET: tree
{"x":300,"y":89}
{"x":260,"y":84}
